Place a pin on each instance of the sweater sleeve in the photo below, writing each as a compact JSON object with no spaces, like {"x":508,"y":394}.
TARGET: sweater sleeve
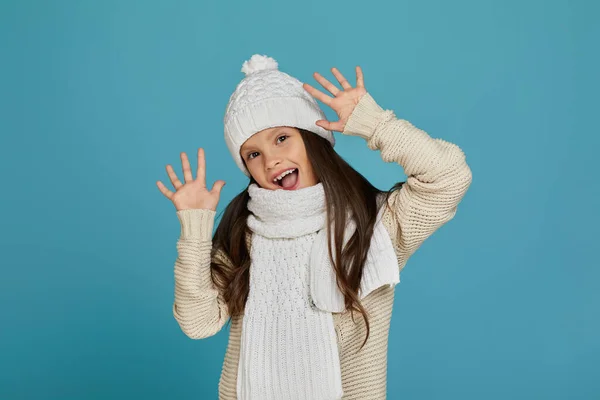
{"x":437,"y":174}
{"x":198,"y":307}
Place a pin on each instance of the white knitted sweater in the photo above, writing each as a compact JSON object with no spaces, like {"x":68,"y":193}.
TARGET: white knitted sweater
{"x":437,"y":179}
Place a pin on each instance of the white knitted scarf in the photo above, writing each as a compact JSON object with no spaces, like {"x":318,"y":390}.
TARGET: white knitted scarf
{"x":288,"y":345}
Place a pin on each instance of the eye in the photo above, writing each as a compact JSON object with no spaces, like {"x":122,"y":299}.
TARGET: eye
{"x":279,"y":137}
{"x":284,"y":136}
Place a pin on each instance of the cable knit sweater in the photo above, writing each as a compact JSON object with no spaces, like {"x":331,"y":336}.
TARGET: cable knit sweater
{"x":437,"y":179}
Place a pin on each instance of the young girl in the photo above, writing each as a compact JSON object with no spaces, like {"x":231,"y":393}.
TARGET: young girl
{"x":310,"y":243}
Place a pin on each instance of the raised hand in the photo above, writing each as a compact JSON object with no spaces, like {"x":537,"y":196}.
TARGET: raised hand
{"x":193,"y":193}
{"x":344,"y":101}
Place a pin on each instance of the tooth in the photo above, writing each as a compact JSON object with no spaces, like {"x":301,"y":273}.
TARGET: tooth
{"x":289,"y":171}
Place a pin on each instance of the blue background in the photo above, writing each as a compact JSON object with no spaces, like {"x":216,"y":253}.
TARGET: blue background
{"x":97,"y":97}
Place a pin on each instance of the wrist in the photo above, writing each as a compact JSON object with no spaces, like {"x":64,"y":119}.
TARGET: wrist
{"x":196,"y":223}
{"x":364,"y":118}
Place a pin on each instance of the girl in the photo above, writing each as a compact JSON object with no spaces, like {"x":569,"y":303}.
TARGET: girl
{"x":310,"y":242}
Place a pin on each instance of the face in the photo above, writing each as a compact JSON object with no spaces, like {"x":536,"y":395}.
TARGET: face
{"x":271,"y":152}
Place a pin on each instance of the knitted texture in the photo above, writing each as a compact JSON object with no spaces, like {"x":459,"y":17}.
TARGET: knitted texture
{"x":290,"y":214}
{"x":380,"y":268}
{"x":437,"y":179}
{"x":288,"y":346}
{"x":267,"y":98}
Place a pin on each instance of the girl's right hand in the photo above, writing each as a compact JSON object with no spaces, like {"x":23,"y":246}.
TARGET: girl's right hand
{"x":193,"y":193}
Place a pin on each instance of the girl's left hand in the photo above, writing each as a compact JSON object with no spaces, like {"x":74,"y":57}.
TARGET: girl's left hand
{"x":344,"y":101}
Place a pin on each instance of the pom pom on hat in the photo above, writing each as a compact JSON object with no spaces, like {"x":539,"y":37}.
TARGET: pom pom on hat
{"x":259,"y":63}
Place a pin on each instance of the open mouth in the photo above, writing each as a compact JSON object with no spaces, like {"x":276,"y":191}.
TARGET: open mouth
{"x":290,"y":181}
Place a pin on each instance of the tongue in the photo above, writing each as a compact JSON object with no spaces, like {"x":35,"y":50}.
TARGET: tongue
{"x":289,"y":180}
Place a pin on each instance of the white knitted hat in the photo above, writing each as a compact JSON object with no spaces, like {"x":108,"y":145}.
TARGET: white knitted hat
{"x":266,"y":98}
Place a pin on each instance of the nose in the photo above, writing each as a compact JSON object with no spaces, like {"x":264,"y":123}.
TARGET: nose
{"x":272,"y":159}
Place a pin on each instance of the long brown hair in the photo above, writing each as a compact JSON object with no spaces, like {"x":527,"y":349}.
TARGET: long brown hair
{"x":345,"y":188}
